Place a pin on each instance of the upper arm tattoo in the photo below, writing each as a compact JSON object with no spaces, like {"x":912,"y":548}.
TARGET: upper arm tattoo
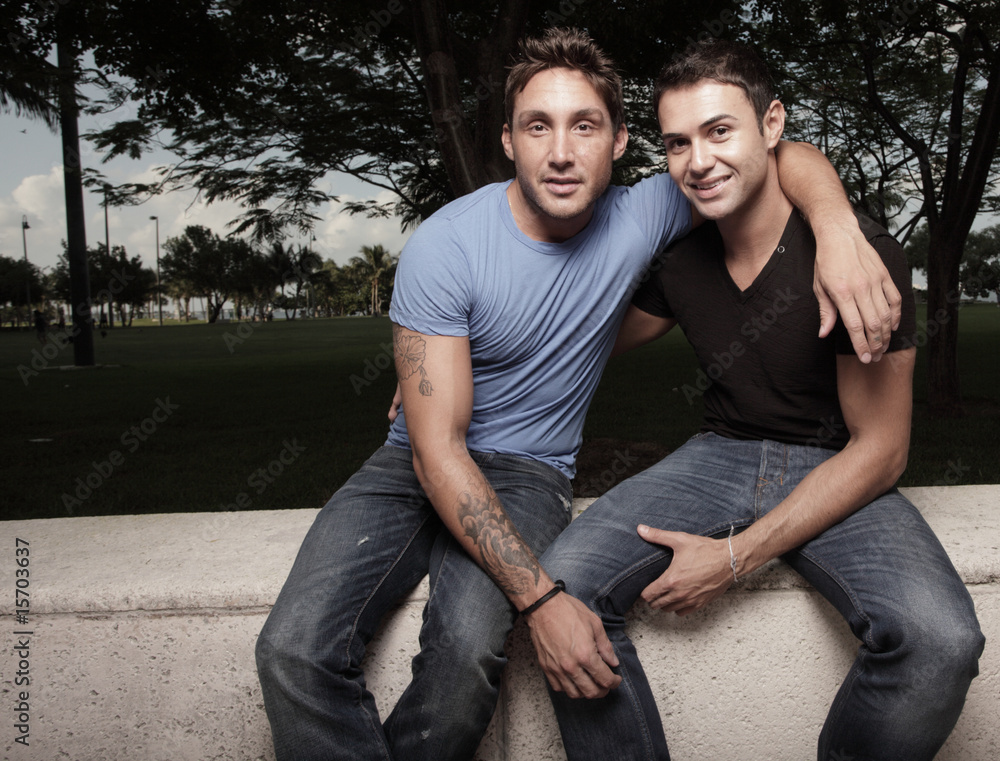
{"x":410,"y":351}
{"x":505,"y":556}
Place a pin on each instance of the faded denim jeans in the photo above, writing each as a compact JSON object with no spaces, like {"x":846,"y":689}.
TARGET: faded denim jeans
{"x":370,"y":545}
{"x":882,"y":568}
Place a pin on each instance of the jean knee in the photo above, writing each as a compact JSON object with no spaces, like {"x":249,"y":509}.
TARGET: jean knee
{"x":286,"y":650}
{"x":943,"y":650}
{"x":957,"y":646}
{"x":273,"y":652}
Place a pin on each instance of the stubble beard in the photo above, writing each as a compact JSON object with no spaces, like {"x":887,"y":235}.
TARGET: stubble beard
{"x":550,"y":207}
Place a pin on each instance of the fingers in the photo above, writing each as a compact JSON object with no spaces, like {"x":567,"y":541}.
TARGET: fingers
{"x":857,"y":330}
{"x":659,"y":536}
{"x":606,"y":650}
{"x":862,"y":291}
{"x":827,"y":313}
{"x":590,"y":678}
{"x":573,"y":649}
{"x":397,"y":403}
{"x":895,"y":299}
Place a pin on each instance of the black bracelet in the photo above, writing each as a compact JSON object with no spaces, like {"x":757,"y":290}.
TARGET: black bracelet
{"x":560,"y":586}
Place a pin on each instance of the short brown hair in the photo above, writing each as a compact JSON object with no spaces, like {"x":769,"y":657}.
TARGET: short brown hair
{"x":566,"y":49}
{"x":731,"y":63}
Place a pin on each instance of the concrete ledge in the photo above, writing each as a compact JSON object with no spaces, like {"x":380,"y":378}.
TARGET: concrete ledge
{"x":143,"y":627}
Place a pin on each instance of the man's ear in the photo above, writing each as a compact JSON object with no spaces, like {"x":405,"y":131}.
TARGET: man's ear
{"x":773,"y":123}
{"x":505,"y":140}
{"x":621,"y":140}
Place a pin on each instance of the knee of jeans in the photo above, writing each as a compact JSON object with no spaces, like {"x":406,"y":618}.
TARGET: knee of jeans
{"x":956,"y":646}
{"x":284,"y":651}
{"x":273,"y":651}
{"x":945,"y":646}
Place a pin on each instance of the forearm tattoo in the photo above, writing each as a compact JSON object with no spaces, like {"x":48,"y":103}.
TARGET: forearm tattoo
{"x":410,"y":351}
{"x":505,"y":556}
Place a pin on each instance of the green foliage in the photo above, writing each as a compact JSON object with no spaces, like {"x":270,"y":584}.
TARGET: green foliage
{"x":980,"y":273}
{"x":895,"y":94}
{"x":17,"y":279}
{"x":340,"y":290}
{"x":376,"y":265}
{"x":259,"y":100}
{"x":207,"y":265}
{"x":27,"y":78}
{"x":116,"y":280}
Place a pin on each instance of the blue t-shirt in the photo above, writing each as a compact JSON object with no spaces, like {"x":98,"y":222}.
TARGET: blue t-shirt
{"x":541,"y":317}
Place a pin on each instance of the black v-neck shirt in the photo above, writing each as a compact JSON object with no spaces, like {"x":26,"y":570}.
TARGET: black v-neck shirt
{"x":765,"y":373}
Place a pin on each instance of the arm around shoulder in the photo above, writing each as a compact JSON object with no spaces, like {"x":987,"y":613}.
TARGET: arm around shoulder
{"x":638,"y":328}
{"x":850,"y":276}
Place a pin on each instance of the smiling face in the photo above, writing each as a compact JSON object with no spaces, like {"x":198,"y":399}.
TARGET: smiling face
{"x":563,"y":145}
{"x":719,"y":155}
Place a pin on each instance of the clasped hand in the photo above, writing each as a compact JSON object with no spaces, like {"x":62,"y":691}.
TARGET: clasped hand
{"x":573,"y":649}
{"x":699,"y":572}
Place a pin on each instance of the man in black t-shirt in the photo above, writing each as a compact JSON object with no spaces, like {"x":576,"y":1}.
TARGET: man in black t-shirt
{"x":797,"y":458}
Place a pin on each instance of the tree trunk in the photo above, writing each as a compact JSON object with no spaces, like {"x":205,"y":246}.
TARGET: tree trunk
{"x":462,"y":164}
{"x":944,"y":396}
{"x":76,"y":231}
{"x":960,"y":201}
{"x":213,"y":309}
{"x":494,"y":54}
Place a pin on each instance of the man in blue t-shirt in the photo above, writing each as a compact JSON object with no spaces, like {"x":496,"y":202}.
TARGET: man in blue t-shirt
{"x":505,"y":309}
{"x":798,"y":455}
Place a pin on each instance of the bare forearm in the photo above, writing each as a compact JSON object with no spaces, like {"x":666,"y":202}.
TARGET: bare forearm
{"x":471,"y":510}
{"x":812,"y":185}
{"x":827,"y":495}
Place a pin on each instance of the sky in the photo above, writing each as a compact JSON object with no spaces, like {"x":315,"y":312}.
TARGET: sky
{"x":31,"y":184}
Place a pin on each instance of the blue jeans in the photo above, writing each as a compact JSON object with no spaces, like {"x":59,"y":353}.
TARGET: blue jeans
{"x":882,"y":568}
{"x":370,"y":545}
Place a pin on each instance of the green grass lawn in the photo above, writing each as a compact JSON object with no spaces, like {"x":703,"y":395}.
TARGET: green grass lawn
{"x":215,"y":417}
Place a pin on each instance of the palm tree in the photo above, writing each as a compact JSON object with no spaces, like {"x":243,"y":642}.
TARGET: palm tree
{"x":375,"y":261}
{"x":27,"y":84}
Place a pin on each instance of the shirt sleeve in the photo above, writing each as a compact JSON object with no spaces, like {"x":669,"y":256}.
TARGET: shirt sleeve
{"x":650,"y":297}
{"x":432,"y":292}
{"x":659,"y":208}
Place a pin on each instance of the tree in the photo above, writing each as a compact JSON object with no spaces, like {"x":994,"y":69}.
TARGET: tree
{"x":17,"y":277}
{"x":32,"y":85}
{"x":138,"y":286}
{"x":980,"y":273}
{"x":253,"y":283}
{"x":917,"y":247}
{"x":292,"y":267}
{"x":118,"y":283}
{"x":206,"y":264}
{"x":340,"y":290}
{"x":906,"y":98}
{"x":375,"y":264}
{"x":181,"y":291}
{"x":408,"y":99}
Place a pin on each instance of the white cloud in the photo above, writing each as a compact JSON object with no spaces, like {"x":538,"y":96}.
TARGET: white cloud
{"x":339,"y":236}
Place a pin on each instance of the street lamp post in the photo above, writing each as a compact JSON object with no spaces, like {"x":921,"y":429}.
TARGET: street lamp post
{"x":107,"y":250}
{"x":27,"y":269}
{"x":159,"y":301}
